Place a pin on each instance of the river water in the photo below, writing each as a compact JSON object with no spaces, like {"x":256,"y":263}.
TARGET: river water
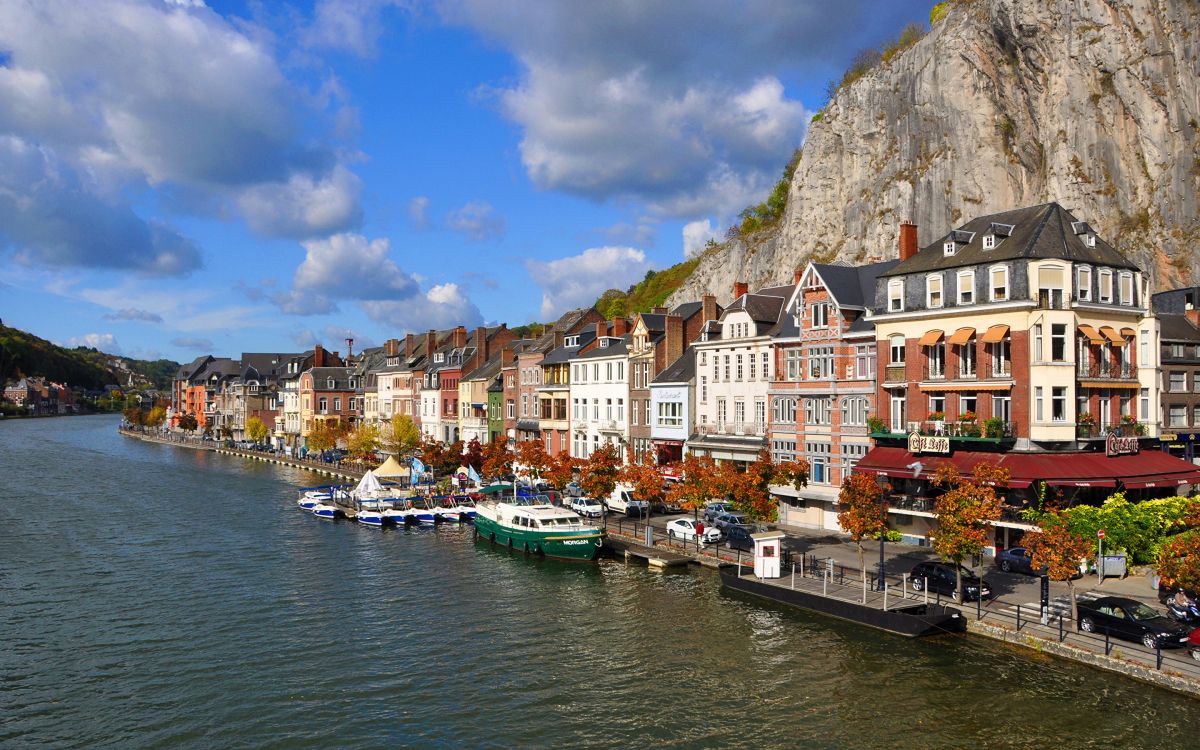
{"x":153,"y":596}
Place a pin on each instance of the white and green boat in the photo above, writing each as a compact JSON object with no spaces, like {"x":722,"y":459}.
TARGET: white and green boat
{"x":537,"y":528}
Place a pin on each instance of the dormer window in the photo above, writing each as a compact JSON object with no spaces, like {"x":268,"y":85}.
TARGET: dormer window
{"x":948,"y":247}
{"x":329,"y":383}
{"x":438,"y":357}
{"x":1089,"y":240}
{"x":603,"y":343}
{"x":989,"y":241}
{"x":895,"y":295}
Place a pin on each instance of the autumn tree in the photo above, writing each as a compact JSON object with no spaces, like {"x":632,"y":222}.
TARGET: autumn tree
{"x":399,"y":437}
{"x":561,"y":470}
{"x":473,"y":454}
{"x":134,"y":416}
{"x":1178,"y":560}
{"x":256,"y":430}
{"x":600,"y":472}
{"x":187,"y":422}
{"x":697,"y":485}
{"x":497,"y":459}
{"x":363,"y":441}
{"x":645,"y":481}
{"x":1060,"y":550}
{"x":863,"y":506}
{"x":964,"y":512}
{"x":324,"y":435}
{"x":532,"y":458}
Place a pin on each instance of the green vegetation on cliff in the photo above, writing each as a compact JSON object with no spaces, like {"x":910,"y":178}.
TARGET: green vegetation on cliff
{"x":648,"y":293}
{"x":23,"y":354}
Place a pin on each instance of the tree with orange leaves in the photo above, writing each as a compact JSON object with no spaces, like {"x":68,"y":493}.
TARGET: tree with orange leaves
{"x":560,"y":471}
{"x":599,"y":476}
{"x":964,"y":511}
{"x":863,"y":506}
{"x":497,"y":459}
{"x":645,"y":481}
{"x":1060,"y":550}
{"x":532,"y":457}
{"x":696,"y":486}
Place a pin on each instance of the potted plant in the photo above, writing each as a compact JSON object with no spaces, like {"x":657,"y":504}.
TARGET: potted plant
{"x":1084,"y":424}
{"x":993,"y":427}
{"x":967,"y":416}
{"x":875,"y":425}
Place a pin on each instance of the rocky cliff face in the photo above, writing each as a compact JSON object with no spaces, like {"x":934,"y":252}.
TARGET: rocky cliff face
{"x":1005,"y":103}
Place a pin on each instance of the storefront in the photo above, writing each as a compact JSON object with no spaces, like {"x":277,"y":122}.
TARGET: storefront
{"x":1179,"y":444}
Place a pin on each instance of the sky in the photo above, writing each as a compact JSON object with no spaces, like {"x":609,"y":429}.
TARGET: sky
{"x":181,"y":177}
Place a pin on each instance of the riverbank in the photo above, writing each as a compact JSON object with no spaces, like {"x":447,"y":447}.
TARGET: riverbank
{"x":1002,"y":620}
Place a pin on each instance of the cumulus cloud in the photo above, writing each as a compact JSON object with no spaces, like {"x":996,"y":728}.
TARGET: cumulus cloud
{"x":193,"y":342}
{"x":418,"y":213}
{"x":184,"y":101}
{"x":443,"y":306}
{"x":105,"y":342}
{"x":349,"y":266}
{"x":132,"y":313}
{"x":577,"y":281}
{"x":478,"y":221}
{"x":696,"y":235}
{"x":350,"y":25}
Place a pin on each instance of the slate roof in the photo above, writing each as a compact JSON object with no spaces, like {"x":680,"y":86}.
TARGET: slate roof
{"x":1043,"y":231}
{"x":341,"y":378}
{"x":681,"y":370}
{"x":854,"y":286}
{"x":565,"y":353}
{"x":186,"y":371}
{"x":1177,"y":328}
{"x":614,"y":348}
{"x":686,"y":310}
{"x":489,"y":369}
{"x":222,"y":367}
{"x":861,"y":325}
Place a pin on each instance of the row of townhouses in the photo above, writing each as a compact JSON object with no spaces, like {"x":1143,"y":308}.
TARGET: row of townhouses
{"x":1019,"y":338}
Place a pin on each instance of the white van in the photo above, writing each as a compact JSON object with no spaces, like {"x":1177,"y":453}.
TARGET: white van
{"x":621,"y":500}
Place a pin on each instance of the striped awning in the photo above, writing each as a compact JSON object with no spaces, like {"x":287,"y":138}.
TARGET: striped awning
{"x":962,"y":336}
{"x":995,"y":334}
{"x":931,"y":337}
{"x":1093,"y":335}
{"x":1111,"y":334}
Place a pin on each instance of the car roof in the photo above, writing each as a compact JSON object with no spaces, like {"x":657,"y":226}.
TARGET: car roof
{"x":1119,"y":601}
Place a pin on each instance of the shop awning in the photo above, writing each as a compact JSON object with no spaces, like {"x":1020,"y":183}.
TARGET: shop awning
{"x":965,"y":385}
{"x":1092,"y":334}
{"x":1134,"y":385}
{"x":1111,"y":334}
{"x":930,"y":338}
{"x":962,"y":336}
{"x":994,"y":334}
{"x":1136,"y":471}
{"x":1128,"y":333}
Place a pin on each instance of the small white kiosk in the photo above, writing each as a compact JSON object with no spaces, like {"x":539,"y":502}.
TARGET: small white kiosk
{"x":767,"y":553}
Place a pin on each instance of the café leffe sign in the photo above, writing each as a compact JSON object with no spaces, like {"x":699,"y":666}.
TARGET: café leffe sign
{"x":918,"y":443}
{"x":1120,"y":446}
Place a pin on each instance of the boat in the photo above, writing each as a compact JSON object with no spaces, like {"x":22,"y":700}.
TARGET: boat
{"x":535,"y":528}
{"x":447,"y":510}
{"x":322,"y":510}
{"x":908,"y":620}
{"x":370,"y":517}
{"x":309,"y":497}
{"x":466,"y":507}
{"x":399,"y":516}
{"x":420,"y":509}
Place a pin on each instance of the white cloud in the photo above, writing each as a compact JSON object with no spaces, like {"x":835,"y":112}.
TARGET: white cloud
{"x":351,"y":25}
{"x":477,"y":221}
{"x":195,"y":343}
{"x":105,"y":342}
{"x":332,"y":337}
{"x":304,"y":206}
{"x":443,"y":306}
{"x":349,"y":266}
{"x":418,"y":213}
{"x":578,"y":280}
{"x":696,"y":235}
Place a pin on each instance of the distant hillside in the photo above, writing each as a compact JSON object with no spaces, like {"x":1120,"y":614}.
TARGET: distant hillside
{"x":648,"y":293}
{"x":22,"y":354}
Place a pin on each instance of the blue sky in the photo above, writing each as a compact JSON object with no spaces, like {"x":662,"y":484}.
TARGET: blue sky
{"x":179,"y":177}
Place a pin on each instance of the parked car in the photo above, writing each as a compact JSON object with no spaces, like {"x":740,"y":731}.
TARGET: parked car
{"x":1194,"y":644}
{"x":665,"y":506}
{"x":1132,"y":620}
{"x":738,"y":537}
{"x":725,"y":520}
{"x":1017,"y":560}
{"x":587,"y":507}
{"x":685,"y":529}
{"x":941,"y":579}
{"x":622,"y":501}
{"x":715,"y":508}
{"x":573,"y":490}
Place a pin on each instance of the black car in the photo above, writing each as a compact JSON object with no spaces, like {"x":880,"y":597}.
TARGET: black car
{"x":941,"y":579}
{"x":1017,"y":560}
{"x":738,"y":537}
{"x":1132,"y":620}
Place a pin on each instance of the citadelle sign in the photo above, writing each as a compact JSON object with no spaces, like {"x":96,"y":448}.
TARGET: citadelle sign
{"x":918,"y":443}
{"x":1120,"y":446}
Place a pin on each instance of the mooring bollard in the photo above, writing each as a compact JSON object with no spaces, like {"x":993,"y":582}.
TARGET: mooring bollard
{"x":801,"y":567}
{"x":926,"y":588}
{"x":793,"y":575}
{"x":904,"y":586}
{"x":885,"y":592}
{"x":825,"y":584}
{"x":739,"y":563}
{"x":864,"y":589}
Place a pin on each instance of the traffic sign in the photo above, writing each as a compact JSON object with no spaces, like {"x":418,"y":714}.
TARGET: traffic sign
{"x":1100,"y":533}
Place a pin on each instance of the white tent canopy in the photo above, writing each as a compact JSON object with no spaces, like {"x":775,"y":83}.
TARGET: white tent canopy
{"x":368,"y":484}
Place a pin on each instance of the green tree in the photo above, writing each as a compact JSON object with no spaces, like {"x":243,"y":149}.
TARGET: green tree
{"x":862,"y":507}
{"x":363,"y":441}
{"x":399,"y":437}
{"x":964,"y":512}
{"x":157,"y":416}
{"x":256,"y":430}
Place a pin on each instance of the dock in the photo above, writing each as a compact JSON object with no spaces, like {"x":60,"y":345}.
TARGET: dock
{"x":655,"y":557}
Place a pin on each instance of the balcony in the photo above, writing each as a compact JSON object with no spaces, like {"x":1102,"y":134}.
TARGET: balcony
{"x":610,"y":425}
{"x":1101,"y":432}
{"x":737,"y":429}
{"x":1106,"y":371}
{"x":994,"y":431}
{"x":1052,"y":299}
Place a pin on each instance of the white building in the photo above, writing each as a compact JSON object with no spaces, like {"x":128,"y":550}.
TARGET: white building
{"x":599,"y":397}
{"x":672,"y":404}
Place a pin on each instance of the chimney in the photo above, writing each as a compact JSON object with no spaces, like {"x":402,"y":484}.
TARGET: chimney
{"x":318,"y":356}
{"x":349,"y":347}
{"x":409,"y":345}
{"x":673,"y":339}
{"x":460,"y":337}
{"x":508,"y":356}
{"x":796,"y":277}
{"x":908,"y":240}
{"x":740,"y":288}
{"x":430,"y":344}
{"x":708,"y":308}
{"x":336,"y":356}
{"x":620,"y":326}
{"x":601,"y":329}
{"x":658,"y":311}
{"x":391,"y":348}
{"x":558,"y":339}
{"x":481,"y":344}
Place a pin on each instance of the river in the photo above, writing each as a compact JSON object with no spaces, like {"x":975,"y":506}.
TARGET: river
{"x":159,"y":597}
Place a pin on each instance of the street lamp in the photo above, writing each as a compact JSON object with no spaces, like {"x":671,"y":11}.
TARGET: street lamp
{"x":881,"y":480}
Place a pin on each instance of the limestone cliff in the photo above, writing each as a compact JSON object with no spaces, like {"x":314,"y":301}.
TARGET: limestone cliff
{"x":1004,"y":103}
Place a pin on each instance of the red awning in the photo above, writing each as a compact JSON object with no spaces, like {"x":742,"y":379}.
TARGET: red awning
{"x":1137,"y":471}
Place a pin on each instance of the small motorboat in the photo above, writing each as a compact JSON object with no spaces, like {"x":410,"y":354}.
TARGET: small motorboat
{"x":399,"y":516}
{"x":447,"y":510}
{"x":321,"y":510}
{"x":422,"y":510}
{"x":308,"y":498}
{"x":371,"y":517}
{"x":466,"y":507}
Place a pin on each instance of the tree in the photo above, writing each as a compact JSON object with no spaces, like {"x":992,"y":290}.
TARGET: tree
{"x":400,"y":436}
{"x":532,"y":457}
{"x":645,"y":481}
{"x":433,"y":453}
{"x":1060,"y":550}
{"x":599,"y":477}
{"x":473,"y":454}
{"x":964,"y":511}
{"x":363,"y":441}
{"x":134,"y":416}
{"x":561,"y":470}
{"x":863,"y":506}
{"x":697,"y":485}
{"x":1178,"y":560}
{"x":187,"y":422}
{"x":497,"y":460}
{"x":324,"y":435}
{"x":157,"y":416}
{"x":256,"y":430}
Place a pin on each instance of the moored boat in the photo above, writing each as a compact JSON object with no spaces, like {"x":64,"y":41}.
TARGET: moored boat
{"x":466,"y":507}
{"x":371,"y":517}
{"x":321,"y":510}
{"x":538,"y":529}
{"x":447,"y":510}
{"x":421,"y":509}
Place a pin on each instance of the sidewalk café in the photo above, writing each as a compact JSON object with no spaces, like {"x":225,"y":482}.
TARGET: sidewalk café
{"x":1079,"y":477}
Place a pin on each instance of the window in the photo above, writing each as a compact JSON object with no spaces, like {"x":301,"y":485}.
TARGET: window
{"x":933,"y":291}
{"x":792,"y":363}
{"x":608,"y":371}
{"x":989,"y":241}
{"x":595,"y":410}
{"x":851,"y":454}
{"x":739,"y":366}
{"x":966,"y":287}
{"x":753,"y":369}
{"x":1058,"y":403}
{"x":1178,"y":382}
{"x":1037,"y":342}
{"x":726,"y":368}
{"x":323,"y":404}
{"x":716,"y":369}
{"x":608,"y":412}
{"x":637,"y":377}
{"x":864,"y":361}
{"x":721,"y":414}
{"x":937,"y":405}
{"x":1038,"y":414}
{"x":783,"y":410}
{"x":1196,"y":414}
{"x":820,"y":315}
{"x":999,"y":285}
{"x":817,"y":411}
{"x":760,"y":416}
{"x":670,"y":414}
{"x":524,"y":405}
{"x":896,"y":349}
{"x":818,"y":460}
{"x":766,"y":365}
{"x":854,"y":411}
{"x":1058,"y":342}
{"x":704,"y":359}
{"x":895,"y":295}
{"x":1106,"y":290}
{"x":966,"y":360}
{"x":1126,"y":288}
{"x":1177,"y":415}
{"x":739,"y":414}
{"x":704,"y":389}
{"x":820,"y":362}
{"x":783,"y":450}
{"x":935,"y":358}
{"x":1144,"y":406}
{"x":948,"y":247}
{"x":1083,"y":283}
{"x":1144,"y":352}
{"x":621,"y":409}
{"x":1002,"y":408}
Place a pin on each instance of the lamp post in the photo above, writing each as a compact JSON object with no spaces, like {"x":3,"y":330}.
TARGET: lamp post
{"x":883,"y":486}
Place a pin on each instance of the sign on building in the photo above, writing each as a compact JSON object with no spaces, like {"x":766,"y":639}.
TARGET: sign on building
{"x":918,"y":443}
{"x":1120,"y":446}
